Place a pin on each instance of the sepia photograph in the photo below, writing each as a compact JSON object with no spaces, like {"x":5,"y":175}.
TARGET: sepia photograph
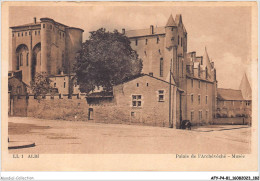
{"x":147,"y":78}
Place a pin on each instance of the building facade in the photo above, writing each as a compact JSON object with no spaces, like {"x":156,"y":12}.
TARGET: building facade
{"x":143,"y":100}
{"x":45,"y":46}
{"x":164,"y":53}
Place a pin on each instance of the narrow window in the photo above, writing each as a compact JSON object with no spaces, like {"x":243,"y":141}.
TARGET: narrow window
{"x":147,"y":84}
{"x":137,"y":84}
{"x":25,"y":33}
{"x":136,"y":100}
{"x":27,"y":59}
{"x":38,"y":32}
{"x":55,"y":84}
{"x":43,"y":25}
{"x":199,"y":99}
{"x":178,"y":40}
{"x":146,"y":41}
{"x":18,"y":34}
{"x":22,"y":33}
{"x":157,"y":40}
{"x":64,"y":84}
{"x":161,"y":95}
{"x":35,"y":32}
{"x":161,"y":67}
{"x":191,"y":97}
{"x":206,"y":99}
{"x":192,"y":83}
{"x":136,"y":42}
{"x":29,"y":33}
{"x":172,"y":28}
{"x":181,"y":41}
{"x":21,"y":59}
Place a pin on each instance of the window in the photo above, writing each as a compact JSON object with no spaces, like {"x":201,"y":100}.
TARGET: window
{"x":60,"y":34}
{"x":191,"y":98}
{"x":22,"y":33}
{"x":18,"y":34}
{"x":25,"y":33}
{"x":136,"y":100}
{"x":146,"y":41}
{"x":161,"y":67}
{"x":136,"y":42}
{"x":19,"y":90}
{"x":191,"y":116}
{"x":199,"y":99}
{"x":172,"y":28}
{"x":38,"y":32}
{"x":137,"y":84}
{"x":35,"y":32}
{"x":181,"y":41}
{"x":192,"y":83}
{"x":21,"y":59}
{"x":27,"y":59}
{"x":199,"y":84}
{"x":43,"y":25}
{"x":161,"y":95}
{"x":147,"y":84}
{"x":29,"y":33}
{"x":157,"y":41}
{"x":55,"y":84}
{"x":200,"y":115}
{"x":206,"y":99}
{"x":64,"y":84}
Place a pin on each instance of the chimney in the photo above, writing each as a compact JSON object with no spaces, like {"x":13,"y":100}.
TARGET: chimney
{"x":34,"y":20}
{"x":151,"y":29}
{"x":123,"y":31}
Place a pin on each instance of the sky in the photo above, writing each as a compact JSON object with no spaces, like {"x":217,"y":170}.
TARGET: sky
{"x":224,"y":30}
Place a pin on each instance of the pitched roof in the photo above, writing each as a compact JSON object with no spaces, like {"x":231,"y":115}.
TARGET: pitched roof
{"x":178,"y":19}
{"x":245,"y":88}
{"x":170,"y":21}
{"x":145,"y":32}
{"x":229,"y":94}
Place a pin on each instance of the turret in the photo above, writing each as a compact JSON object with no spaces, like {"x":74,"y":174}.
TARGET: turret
{"x":171,"y":33}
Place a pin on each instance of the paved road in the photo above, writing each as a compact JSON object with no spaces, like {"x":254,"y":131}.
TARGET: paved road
{"x":53,"y":136}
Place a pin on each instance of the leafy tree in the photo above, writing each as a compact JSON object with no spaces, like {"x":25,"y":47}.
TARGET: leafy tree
{"x":106,"y":59}
{"x":41,"y":85}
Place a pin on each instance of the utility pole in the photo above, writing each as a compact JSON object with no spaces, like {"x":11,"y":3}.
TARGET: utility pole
{"x":170,"y":92}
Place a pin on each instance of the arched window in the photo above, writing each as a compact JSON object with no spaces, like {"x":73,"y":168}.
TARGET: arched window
{"x":27,"y":59}
{"x":161,"y":67}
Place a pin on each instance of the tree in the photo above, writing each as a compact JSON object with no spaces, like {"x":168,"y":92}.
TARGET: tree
{"x":41,"y":85}
{"x":106,"y":59}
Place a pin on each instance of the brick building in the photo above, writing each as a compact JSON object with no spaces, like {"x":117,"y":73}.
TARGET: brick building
{"x":235,"y":103}
{"x":165,"y":48}
{"x":142,"y":100}
{"x":45,"y":46}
